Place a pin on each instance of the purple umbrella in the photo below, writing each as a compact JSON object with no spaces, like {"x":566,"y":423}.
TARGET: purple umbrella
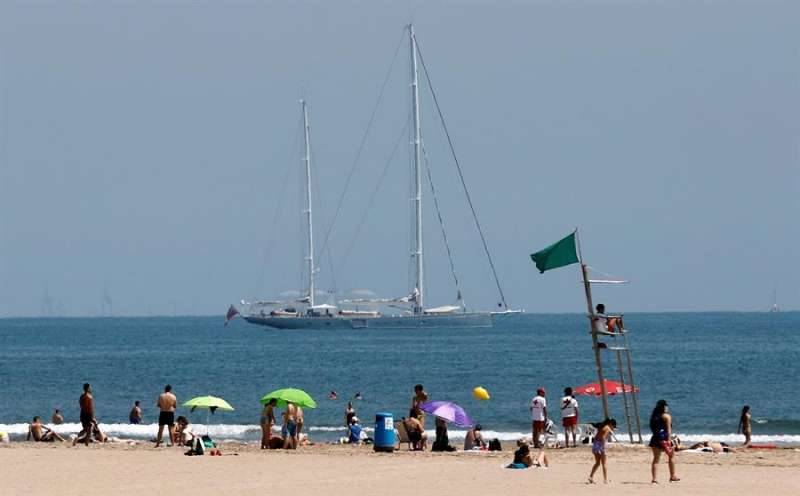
{"x":448,"y":411}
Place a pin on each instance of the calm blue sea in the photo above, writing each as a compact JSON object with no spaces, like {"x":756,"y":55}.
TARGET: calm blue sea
{"x":706,"y":365}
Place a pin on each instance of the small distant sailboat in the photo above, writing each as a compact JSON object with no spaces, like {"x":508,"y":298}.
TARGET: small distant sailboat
{"x":774,"y":308}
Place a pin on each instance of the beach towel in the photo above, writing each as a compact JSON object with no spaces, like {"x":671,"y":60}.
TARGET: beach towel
{"x":516,"y":465}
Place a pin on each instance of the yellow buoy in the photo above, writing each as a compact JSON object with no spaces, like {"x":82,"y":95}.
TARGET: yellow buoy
{"x":480,"y":393}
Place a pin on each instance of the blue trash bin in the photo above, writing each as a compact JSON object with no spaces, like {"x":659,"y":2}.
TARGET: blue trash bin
{"x":385,"y":439}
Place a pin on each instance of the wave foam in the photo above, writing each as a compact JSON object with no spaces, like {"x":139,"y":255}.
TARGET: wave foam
{"x":252,"y":432}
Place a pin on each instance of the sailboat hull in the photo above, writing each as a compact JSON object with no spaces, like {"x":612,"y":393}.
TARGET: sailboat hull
{"x":461,"y":320}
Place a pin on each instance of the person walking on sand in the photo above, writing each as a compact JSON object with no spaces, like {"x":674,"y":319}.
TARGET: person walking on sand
{"x":267,"y":421}
{"x":661,"y":439}
{"x":57,"y":419}
{"x":599,"y":448}
{"x":86,"y":402}
{"x":745,"y":427}
{"x":135,"y":416}
{"x":167,"y":403}
{"x":538,"y":416}
{"x":569,"y":417}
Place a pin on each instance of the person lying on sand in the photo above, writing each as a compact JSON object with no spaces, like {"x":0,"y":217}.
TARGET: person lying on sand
{"x":40,"y":433}
{"x":708,"y":446}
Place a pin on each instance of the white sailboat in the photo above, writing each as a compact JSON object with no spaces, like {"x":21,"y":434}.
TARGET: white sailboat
{"x":414,"y":314}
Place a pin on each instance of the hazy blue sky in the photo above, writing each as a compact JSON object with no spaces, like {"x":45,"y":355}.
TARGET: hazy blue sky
{"x":147,"y":148}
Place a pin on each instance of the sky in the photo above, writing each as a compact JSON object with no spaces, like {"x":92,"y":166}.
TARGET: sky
{"x":150,"y":152}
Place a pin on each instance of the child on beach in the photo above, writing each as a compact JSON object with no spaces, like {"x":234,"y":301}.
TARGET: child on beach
{"x":599,"y":448}
{"x":744,"y":426}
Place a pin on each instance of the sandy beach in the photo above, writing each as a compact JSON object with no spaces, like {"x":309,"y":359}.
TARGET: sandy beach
{"x":324,"y":469}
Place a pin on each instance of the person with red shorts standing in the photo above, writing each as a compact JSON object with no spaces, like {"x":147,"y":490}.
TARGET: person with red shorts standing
{"x":538,"y":416}
{"x":569,"y":417}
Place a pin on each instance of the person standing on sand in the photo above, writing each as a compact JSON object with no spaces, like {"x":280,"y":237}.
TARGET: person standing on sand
{"x":167,"y":404}
{"x":599,"y":448}
{"x":290,"y":426}
{"x":420,"y":397}
{"x":267,"y":421}
{"x":538,"y":416}
{"x":745,"y":427}
{"x":569,"y":417}
{"x":300,"y":417}
{"x":661,"y":440}
{"x":135,"y":417}
{"x":57,"y":419}
{"x":349,"y":413}
{"x":86,"y":402}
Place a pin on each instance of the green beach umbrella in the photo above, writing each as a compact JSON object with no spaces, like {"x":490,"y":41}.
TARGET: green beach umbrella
{"x":210,"y":403}
{"x":290,"y":395}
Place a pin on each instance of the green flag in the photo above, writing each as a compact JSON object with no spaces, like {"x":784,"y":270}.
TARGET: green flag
{"x":557,"y":255}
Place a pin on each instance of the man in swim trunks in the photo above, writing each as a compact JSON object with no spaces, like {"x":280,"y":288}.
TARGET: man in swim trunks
{"x":290,"y":426}
{"x":86,"y":403}
{"x":167,"y":403}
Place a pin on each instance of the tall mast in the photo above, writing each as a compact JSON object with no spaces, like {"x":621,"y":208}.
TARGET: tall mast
{"x":307,"y":160}
{"x":416,"y":253}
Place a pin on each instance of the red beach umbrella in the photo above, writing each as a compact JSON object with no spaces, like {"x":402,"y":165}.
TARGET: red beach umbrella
{"x":612,"y":388}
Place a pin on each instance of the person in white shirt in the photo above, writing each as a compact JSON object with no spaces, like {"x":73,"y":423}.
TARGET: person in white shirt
{"x":569,"y":417}
{"x":538,"y":416}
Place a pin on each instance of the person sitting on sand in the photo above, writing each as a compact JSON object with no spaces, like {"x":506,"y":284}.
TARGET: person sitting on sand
{"x":474,"y":439}
{"x":745,"y":426}
{"x":93,"y":435}
{"x":183,"y":432}
{"x":57,"y":419}
{"x":354,"y":431}
{"x":40,"y":433}
{"x":416,"y":433}
{"x":524,"y":459}
{"x":442,"y":441}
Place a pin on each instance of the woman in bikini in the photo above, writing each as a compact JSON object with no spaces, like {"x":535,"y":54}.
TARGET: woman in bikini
{"x":744,"y":426}
{"x":599,"y":448}
{"x":661,"y":440}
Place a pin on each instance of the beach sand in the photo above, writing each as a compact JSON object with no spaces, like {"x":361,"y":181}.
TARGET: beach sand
{"x":29,"y":468}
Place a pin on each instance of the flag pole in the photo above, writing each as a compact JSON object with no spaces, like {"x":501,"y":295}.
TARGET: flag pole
{"x":587,"y":287}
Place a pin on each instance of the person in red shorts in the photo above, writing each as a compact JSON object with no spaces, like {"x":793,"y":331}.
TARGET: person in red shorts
{"x":538,"y":416}
{"x":569,"y":417}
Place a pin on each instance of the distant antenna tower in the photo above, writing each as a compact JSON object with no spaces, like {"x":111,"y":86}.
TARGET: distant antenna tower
{"x":107,"y":307}
{"x":46,"y":309}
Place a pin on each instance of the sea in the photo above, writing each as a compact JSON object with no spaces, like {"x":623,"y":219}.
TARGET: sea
{"x":706,"y":365}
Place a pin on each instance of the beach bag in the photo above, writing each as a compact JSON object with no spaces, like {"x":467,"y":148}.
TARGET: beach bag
{"x":494,"y":445}
{"x":208,"y":442}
